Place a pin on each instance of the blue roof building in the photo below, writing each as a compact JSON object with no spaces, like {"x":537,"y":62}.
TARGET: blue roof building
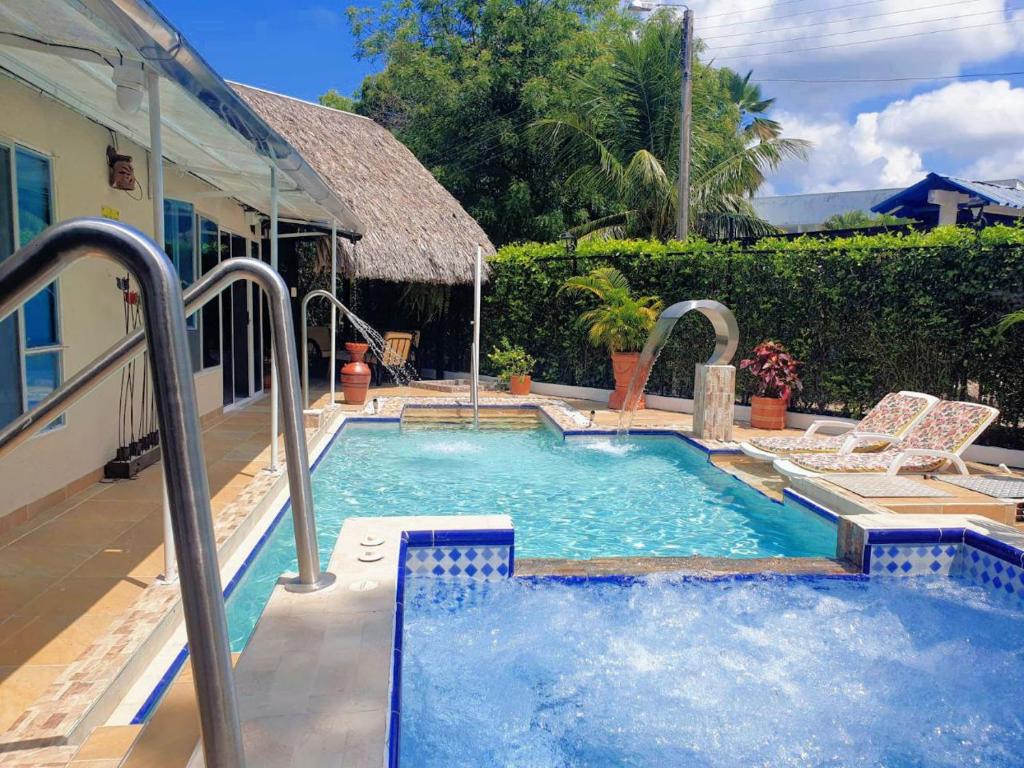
{"x":937,"y":200}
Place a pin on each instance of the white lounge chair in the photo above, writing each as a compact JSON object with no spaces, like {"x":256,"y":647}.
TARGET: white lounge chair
{"x":888,"y":422}
{"x":939,"y":439}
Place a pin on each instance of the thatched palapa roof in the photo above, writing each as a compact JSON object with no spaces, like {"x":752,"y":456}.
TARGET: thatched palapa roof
{"x":415,"y":230}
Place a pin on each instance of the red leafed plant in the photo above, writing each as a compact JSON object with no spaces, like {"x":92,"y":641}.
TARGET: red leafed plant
{"x":774,"y":370}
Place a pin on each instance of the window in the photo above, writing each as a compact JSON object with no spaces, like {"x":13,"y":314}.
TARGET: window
{"x":209,"y":256}
{"x":180,"y":245}
{"x":31,"y":357}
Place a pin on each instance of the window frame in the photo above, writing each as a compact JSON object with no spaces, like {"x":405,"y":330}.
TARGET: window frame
{"x":24,"y":351}
{"x":199,"y":219}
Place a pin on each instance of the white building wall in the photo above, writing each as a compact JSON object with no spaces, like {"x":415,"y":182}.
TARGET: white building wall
{"x":91,"y":311}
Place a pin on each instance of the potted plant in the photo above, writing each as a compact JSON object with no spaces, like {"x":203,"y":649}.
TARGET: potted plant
{"x":775,"y":379}
{"x":514,"y":367}
{"x":621,"y":323}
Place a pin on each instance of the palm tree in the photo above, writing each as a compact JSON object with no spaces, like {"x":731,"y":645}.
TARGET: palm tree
{"x":622,"y":145}
{"x":1010,"y":320}
{"x":621,"y":322}
{"x":746,"y":97}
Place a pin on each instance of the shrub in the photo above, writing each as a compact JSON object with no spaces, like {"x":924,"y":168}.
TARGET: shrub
{"x":867,"y":315}
{"x":511,"y":361}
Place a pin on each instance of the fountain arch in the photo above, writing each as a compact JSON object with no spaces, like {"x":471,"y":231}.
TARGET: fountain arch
{"x":715,"y":380}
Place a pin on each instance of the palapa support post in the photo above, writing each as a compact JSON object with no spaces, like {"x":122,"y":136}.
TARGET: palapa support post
{"x":714,"y":398}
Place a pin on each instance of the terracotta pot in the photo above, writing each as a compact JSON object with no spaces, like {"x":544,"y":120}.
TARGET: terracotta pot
{"x":623,"y":366}
{"x":355,"y":374}
{"x":520,"y":385}
{"x":768,"y":412}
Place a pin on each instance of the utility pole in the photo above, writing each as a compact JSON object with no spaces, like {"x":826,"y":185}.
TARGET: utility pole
{"x":685,"y":106}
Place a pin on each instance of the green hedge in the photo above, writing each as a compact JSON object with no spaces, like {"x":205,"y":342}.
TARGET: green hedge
{"x":866,"y":315}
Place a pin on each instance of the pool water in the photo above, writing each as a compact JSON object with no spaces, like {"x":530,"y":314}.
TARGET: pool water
{"x":575,"y":498}
{"x":801,"y":672}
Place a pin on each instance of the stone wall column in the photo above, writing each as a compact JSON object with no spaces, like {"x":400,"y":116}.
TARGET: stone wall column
{"x":714,"y":398}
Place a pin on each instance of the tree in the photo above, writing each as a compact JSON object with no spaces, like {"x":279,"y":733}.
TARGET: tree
{"x":335,"y":100}
{"x":746,"y":96}
{"x":621,"y":322}
{"x":461,"y":82}
{"x":859,"y":220}
{"x":619,"y":142}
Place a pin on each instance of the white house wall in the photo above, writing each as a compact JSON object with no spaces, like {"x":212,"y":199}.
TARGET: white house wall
{"x":91,"y":312}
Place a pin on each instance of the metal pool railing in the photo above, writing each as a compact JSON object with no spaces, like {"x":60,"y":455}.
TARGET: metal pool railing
{"x":36,"y":265}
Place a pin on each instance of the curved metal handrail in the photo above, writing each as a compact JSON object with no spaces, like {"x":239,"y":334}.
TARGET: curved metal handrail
{"x":727,"y":332}
{"x":317,"y":294}
{"x":206,"y":289}
{"x":28,"y":271}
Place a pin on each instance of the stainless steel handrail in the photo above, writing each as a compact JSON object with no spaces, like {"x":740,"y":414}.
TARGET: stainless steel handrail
{"x":29,"y":270}
{"x":206,"y":289}
{"x":317,"y":294}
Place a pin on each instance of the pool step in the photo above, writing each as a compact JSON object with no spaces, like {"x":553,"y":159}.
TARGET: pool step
{"x":454,"y":417}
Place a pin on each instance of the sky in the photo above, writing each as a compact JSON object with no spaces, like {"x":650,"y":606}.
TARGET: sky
{"x":875,"y":129}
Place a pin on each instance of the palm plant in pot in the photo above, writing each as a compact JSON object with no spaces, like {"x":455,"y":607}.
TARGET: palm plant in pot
{"x":775,"y":380}
{"x":621,"y":323}
{"x":514,"y":366}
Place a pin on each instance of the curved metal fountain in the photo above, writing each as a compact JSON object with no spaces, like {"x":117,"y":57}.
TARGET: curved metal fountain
{"x":727,"y":338}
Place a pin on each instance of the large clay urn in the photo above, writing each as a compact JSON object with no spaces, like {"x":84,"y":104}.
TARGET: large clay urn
{"x":355,"y":374}
{"x":623,"y":366}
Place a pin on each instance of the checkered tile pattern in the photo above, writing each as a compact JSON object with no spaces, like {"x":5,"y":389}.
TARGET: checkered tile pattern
{"x":482,"y":562}
{"x":992,"y":573}
{"x":913,"y":559}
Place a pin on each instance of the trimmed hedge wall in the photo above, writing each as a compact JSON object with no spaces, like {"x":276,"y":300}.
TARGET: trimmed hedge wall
{"x":867,"y":315}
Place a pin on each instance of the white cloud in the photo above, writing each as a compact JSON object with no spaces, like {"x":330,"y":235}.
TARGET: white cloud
{"x":969,"y":129}
{"x":848,"y":41}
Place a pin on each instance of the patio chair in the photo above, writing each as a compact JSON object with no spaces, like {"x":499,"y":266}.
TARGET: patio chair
{"x":888,"y":422}
{"x":398,"y":348}
{"x":939,"y":439}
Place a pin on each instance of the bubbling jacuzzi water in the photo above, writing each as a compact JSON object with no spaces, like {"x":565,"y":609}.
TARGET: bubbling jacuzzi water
{"x":672,"y":673}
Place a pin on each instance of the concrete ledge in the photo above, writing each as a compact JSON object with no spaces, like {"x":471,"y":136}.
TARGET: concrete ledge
{"x":314,"y":683}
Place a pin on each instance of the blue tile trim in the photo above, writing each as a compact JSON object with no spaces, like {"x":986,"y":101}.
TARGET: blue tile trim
{"x":370,"y":420}
{"x":687,"y":578}
{"x":798,"y":498}
{"x":915,"y":536}
{"x":994,"y":547}
{"x":410,"y":540}
{"x":1000,"y":549}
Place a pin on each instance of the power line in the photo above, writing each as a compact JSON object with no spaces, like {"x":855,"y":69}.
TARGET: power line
{"x":844,"y":18}
{"x":794,"y":15}
{"x":863,"y":29}
{"x":839,"y":81}
{"x":868,"y":42}
{"x":755,"y":8}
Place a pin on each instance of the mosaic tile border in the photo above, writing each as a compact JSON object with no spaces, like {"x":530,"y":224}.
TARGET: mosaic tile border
{"x":963,"y":553}
{"x":446,"y":542}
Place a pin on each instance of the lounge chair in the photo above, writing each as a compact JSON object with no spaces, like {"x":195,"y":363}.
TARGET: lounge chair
{"x":398,"y":348}
{"x":938,"y":439}
{"x":888,"y":422}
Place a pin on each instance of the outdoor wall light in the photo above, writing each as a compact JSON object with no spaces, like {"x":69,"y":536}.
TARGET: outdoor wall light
{"x":128,"y":77}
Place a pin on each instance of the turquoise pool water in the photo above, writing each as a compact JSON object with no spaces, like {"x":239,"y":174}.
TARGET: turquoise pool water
{"x":577,"y":498}
{"x":778,"y":672}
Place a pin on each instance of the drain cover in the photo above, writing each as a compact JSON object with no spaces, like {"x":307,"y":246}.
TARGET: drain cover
{"x":369,"y":540}
{"x":371,"y":556}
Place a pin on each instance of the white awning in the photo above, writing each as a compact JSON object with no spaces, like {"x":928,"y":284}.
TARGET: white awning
{"x":68,"y":49}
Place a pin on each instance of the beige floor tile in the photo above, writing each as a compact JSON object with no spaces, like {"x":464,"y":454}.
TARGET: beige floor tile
{"x":109,"y":742}
{"x":41,"y":558}
{"x":77,"y":595}
{"x":171,"y":735}
{"x":16,"y":591}
{"x":20,"y":686}
{"x":52,"y":639}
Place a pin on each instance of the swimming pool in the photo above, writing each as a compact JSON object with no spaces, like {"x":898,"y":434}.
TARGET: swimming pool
{"x":574,"y":498}
{"x":671,"y":671}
